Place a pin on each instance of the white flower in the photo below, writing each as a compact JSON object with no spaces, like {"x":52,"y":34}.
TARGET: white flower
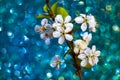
{"x":56,"y":62}
{"x":45,"y":29}
{"x":89,"y":56}
{"x":44,"y":26}
{"x":87,"y":37}
{"x":79,"y":46}
{"x":84,"y":20}
{"x":46,"y":36}
{"x":62,"y":29}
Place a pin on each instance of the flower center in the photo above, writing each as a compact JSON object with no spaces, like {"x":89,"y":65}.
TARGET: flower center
{"x":58,"y":62}
{"x":85,"y":20}
{"x":42,"y":29}
{"x":63,"y":33}
{"x":63,"y":24}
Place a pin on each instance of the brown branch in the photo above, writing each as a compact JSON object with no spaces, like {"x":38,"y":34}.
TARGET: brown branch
{"x":49,"y":10}
{"x":74,"y":56}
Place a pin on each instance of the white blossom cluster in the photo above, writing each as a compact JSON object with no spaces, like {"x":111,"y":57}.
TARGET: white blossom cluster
{"x":63,"y":29}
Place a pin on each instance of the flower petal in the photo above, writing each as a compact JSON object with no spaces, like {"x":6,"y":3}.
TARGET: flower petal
{"x":48,"y":26}
{"x":79,"y":20}
{"x":82,"y":56}
{"x":76,"y":50}
{"x":84,"y":63}
{"x":88,"y":52}
{"x":89,"y":37}
{"x":44,"y":21}
{"x":53,"y":64}
{"x":67,"y":19}
{"x":83,"y":15}
{"x":83,"y":45}
{"x":42,"y":36}
{"x":68,"y":37}
{"x":56,"y":34}
{"x":97,"y":53}
{"x":77,"y":42}
{"x":91,"y":61}
{"x":85,"y":35}
{"x":69,"y":27}
{"x":92,"y":29}
{"x":93,"y":48}
{"x":60,"y":29}
{"x":55,"y":25}
{"x":61,"y":40}
{"x":59,"y":19}
{"x":47,"y":41}
{"x":37,"y":28}
{"x":84,"y":27}
{"x":96,"y":60}
{"x":92,"y":24}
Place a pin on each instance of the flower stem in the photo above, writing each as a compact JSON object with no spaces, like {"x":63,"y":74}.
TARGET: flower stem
{"x":49,"y":10}
{"x":74,"y":56}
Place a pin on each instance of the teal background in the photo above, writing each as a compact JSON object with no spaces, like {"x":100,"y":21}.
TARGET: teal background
{"x":24,"y":56}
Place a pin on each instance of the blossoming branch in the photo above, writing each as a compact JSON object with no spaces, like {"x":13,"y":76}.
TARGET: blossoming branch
{"x":57,"y":23}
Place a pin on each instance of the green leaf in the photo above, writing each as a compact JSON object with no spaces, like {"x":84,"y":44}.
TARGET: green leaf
{"x":62,"y":11}
{"x":45,"y":8}
{"x":54,"y":7}
{"x":42,"y":16}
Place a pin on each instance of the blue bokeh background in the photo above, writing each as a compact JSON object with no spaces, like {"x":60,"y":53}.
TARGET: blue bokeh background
{"x":24,"y":56}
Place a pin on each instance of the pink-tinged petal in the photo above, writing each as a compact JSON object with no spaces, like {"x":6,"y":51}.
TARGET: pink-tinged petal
{"x":67,"y":19}
{"x":92,"y":24}
{"x":37,"y":28}
{"x":68,"y":37}
{"x":56,"y":34}
{"x":92,"y":29}
{"x":83,"y":62}
{"x":79,"y":20}
{"x":76,"y":50}
{"x":48,"y":26}
{"x":44,"y":21}
{"x":61,"y":40}
{"x":69,"y":27}
{"x":97,"y":53}
{"x":84,"y":27}
{"x":82,"y":56}
{"x":59,"y":19}
{"x":47,"y":41}
{"x":93,"y":48}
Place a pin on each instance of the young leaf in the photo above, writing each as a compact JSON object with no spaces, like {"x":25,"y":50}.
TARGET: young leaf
{"x":42,"y":16}
{"x":45,"y":8}
{"x":54,"y":7}
{"x":62,"y":11}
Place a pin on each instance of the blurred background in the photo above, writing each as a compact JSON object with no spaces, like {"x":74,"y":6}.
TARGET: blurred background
{"x":24,"y":56}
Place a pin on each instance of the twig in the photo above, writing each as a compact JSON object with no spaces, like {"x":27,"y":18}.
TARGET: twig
{"x":74,"y":56}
